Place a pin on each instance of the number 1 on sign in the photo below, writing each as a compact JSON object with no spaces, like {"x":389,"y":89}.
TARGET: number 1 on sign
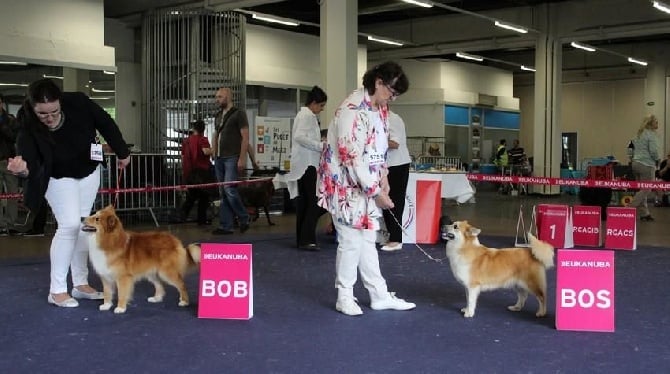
{"x":553,"y":231}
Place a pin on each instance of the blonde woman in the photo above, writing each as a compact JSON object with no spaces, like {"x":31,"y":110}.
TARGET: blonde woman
{"x":645,"y":160}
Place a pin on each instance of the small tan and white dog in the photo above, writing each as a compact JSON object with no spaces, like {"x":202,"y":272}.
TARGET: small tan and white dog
{"x":479,"y":268}
{"x":122,"y":257}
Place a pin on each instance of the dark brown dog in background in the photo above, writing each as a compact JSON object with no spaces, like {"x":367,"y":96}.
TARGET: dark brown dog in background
{"x":259,"y":194}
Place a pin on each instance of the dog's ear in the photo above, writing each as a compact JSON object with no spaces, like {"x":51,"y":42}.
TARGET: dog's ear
{"x":474,"y":231}
{"x":110,"y":223}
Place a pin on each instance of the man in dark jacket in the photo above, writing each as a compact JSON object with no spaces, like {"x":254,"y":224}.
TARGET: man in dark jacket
{"x":9,"y":183}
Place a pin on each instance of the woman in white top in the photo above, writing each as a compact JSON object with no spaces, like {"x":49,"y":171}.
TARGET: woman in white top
{"x":305,"y":156}
{"x":644,"y":163}
{"x":398,"y":160}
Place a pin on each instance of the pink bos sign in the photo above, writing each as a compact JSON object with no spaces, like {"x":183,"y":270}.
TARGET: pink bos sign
{"x":554,"y":224}
{"x":586,"y":222}
{"x":585,"y":290}
{"x":620,"y":228}
{"x":226,"y":284}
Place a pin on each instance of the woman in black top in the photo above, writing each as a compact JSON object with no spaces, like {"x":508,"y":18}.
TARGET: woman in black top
{"x":58,"y":154}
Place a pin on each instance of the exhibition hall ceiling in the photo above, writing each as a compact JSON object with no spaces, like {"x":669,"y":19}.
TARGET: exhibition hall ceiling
{"x":617,"y":28}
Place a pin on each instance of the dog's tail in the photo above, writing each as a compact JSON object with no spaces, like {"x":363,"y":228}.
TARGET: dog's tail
{"x":542,"y":251}
{"x":194,"y":253}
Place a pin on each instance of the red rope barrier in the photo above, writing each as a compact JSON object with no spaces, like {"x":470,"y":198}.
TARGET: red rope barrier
{"x":547,"y":181}
{"x":181,"y":187}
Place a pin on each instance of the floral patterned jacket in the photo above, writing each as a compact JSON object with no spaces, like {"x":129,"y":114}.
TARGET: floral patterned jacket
{"x":353,"y":162}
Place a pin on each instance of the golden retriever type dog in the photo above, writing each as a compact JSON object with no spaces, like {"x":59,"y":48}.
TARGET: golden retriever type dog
{"x":479,"y":268}
{"x":122,"y":257}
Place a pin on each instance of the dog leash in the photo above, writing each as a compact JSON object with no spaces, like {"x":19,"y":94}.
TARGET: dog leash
{"x":439,"y":260}
{"x":119,"y":177}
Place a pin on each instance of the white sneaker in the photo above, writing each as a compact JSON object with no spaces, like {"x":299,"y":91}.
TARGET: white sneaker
{"x":391,"y":302}
{"x":391,"y":248}
{"x":348,"y":306}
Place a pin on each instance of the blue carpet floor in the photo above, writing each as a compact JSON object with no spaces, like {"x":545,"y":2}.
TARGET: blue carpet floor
{"x":296,"y":329}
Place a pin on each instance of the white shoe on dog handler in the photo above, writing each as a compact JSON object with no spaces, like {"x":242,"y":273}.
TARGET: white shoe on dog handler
{"x":348,"y":306}
{"x":391,"y":248}
{"x":391,"y":302}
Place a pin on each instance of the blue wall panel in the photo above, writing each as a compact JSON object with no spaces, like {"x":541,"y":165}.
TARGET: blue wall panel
{"x":456,"y":115}
{"x":502,"y":120}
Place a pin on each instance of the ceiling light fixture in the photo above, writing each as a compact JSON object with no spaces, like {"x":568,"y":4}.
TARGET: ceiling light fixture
{"x":661,"y":6}
{"x":281,"y":21}
{"x":424,"y":4}
{"x":384,"y":41}
{"x":51,"y":76}
{"x":509,"y":26}
{"x":583,"y":46}
{"x":108,"y":72}
{"x":102,"y":91}
{"x":14,"y":84}
{"x":636,"y":61}
{"x":527,"y":68}
{"x":469,"y":57}
{"x":13,"y":63}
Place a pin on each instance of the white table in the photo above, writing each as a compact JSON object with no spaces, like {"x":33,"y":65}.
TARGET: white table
{"x":455,"y":185}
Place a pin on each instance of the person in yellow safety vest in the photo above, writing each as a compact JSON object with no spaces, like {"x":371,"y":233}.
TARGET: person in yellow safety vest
{"x":501,"y":159}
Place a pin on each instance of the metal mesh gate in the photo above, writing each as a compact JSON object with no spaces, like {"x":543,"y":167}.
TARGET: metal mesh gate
{"x":187,"y":55}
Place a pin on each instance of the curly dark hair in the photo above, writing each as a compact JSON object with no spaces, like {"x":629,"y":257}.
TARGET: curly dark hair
{"x":390,"y":73}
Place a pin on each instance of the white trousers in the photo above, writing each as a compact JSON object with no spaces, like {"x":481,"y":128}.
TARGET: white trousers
{"x":70,"y":200}
{"x":642,"y":173}
{"x":356,"y":251}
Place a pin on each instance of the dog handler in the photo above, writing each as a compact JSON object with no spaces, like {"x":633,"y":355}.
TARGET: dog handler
{"x":353,"y":187}
{"x":59,"y":155}
{"x":305,"y":156}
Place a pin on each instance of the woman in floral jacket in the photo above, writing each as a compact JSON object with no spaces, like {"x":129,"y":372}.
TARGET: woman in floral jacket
{"x":352,"y":185}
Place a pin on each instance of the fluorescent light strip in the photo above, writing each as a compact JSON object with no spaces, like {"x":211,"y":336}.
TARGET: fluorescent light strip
{"x":107,"y":72}
{"x":423,"y":4}
{"x":102,"y":91}
{"x":13,"y":63}
{"x":274,"y":20}
{"x":385,"y":41}
{"x":469,"y":57}
{"x":14,"y":84}
{"x":527,"y":68}
{"x":583,"y":46}
{"x":636,"y":61}
{"x":508,"y":26}
{"x":661,"y":6}
{"x":51,"y":76}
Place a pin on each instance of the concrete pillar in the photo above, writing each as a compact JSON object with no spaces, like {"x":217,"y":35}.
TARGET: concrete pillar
{"x":655,"y":100}
{"x":75,"y":80}
{"x":547,"y":140}
{"x":338,"y":44}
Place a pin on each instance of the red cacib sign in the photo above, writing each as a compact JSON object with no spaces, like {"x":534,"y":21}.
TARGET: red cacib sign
{"x":586,"y":222}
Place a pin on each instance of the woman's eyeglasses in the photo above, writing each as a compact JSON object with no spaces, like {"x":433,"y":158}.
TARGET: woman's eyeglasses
{"x":393,"y":92}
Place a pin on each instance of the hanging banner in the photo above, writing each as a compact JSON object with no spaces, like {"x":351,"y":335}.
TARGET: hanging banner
{"x":272,"y":142}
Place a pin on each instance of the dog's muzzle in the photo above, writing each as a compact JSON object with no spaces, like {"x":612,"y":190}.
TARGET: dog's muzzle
{"x":88,"y":228}
{"x":449,"y":236}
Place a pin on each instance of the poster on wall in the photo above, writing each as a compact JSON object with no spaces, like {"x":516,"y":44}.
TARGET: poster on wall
{"x":272,"y":142}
